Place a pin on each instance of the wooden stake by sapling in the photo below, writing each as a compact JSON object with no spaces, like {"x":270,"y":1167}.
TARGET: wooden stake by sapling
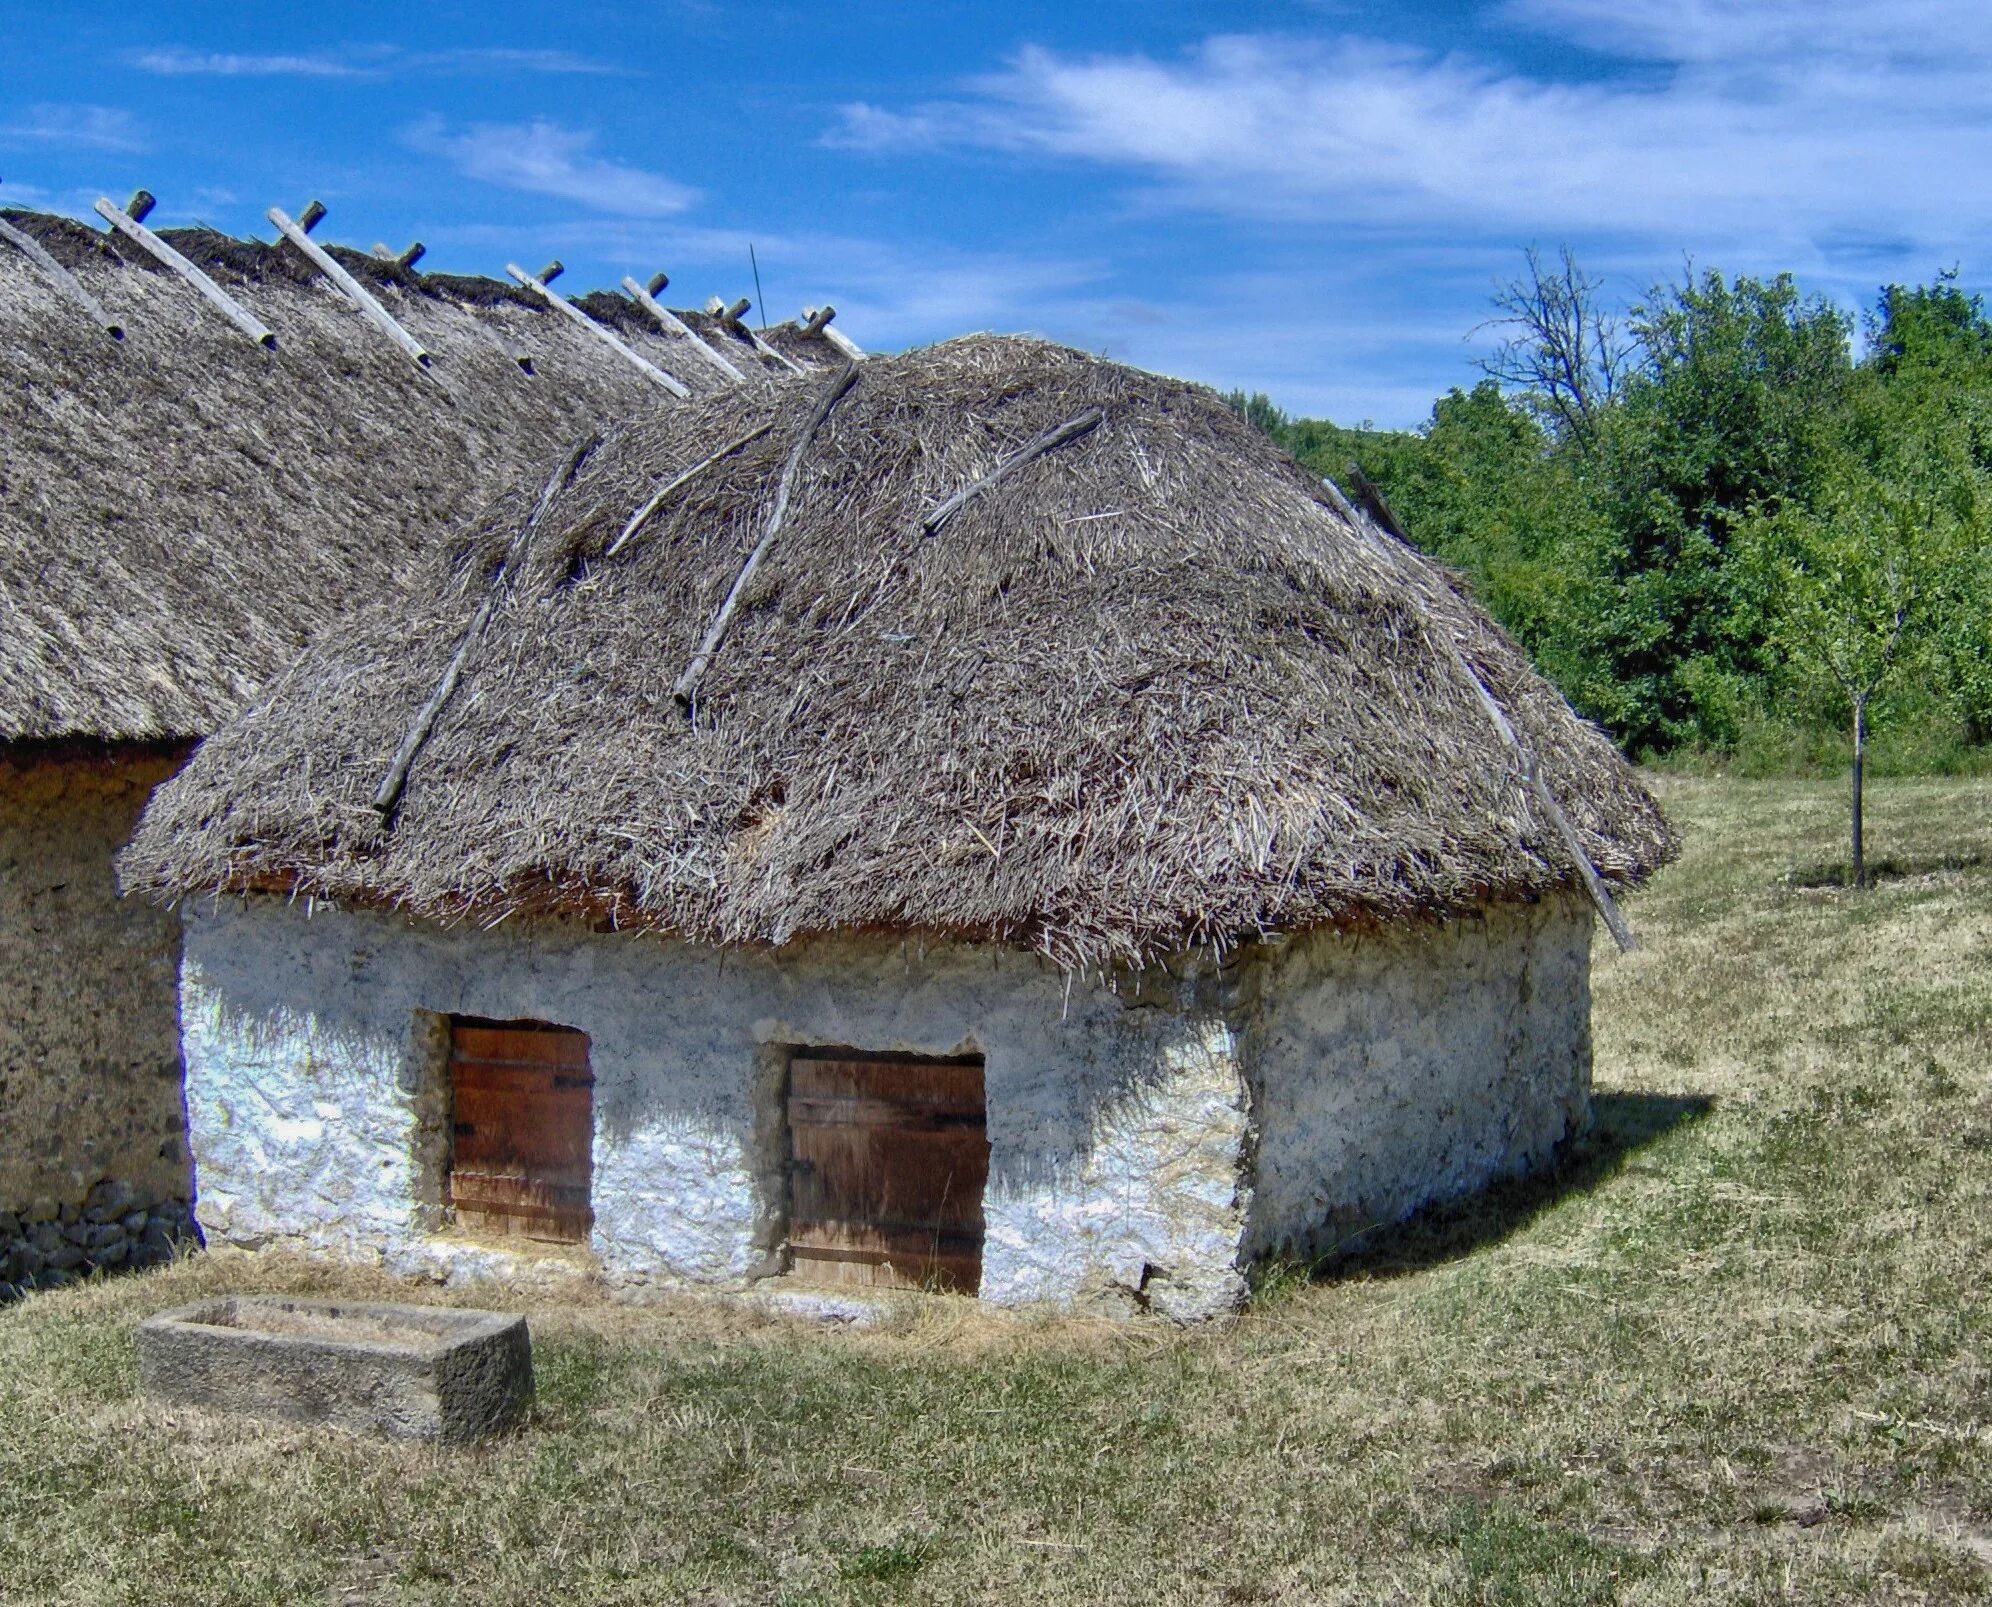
{"x":687,"y":684}
{"x":130,"y":224}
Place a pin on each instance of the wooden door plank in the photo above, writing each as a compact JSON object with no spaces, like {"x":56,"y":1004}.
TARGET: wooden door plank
{"x":890,"y":1157}
{"x":523,"y":1129}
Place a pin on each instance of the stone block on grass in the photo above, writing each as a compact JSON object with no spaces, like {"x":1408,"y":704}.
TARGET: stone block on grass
{"x":411,"y":1372}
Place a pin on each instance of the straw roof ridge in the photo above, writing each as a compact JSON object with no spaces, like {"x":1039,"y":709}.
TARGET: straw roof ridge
{"x":181,"y":510}
{"x":1147,"y":690}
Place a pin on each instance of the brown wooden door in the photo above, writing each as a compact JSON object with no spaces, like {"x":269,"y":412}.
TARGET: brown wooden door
{"x":523,"y":1128}
{"x":888,"y":1158}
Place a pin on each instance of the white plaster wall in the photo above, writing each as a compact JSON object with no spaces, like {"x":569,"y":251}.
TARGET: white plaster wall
{"x":1388,"y":1071}
{"x":1117,"y":1129}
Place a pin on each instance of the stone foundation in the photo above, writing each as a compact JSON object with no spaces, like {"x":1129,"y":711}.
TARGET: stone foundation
{"x":115,"y":1226}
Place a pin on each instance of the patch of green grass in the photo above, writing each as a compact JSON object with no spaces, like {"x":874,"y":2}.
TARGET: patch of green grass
{"x":1731,"y":1349}
{"x":888,"y":1563}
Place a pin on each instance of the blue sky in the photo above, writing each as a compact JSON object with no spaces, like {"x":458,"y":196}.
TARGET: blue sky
{"x":1313,"y":200}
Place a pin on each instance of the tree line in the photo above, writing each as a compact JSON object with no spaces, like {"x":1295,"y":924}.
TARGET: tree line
{"x":1722,"y":518}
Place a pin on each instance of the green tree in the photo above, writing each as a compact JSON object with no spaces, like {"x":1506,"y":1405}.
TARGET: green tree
{"x":1858,"y":588}
{"x":1738,"y":395}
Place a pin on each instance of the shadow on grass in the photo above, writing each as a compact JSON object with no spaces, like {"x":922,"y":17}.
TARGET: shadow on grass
{"x":1622,"y":1124}
{"x":1840,"y":873}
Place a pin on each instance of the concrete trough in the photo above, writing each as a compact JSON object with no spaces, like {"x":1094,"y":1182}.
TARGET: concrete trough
{"x":412,"y":1372}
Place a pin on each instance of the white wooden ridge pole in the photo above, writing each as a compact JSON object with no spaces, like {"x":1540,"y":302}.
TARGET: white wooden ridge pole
{"x":816,"y":321}
{"x":133,"y":229}
{"x":539,"y":283}
{"x":351,"y":288}
{"x":60,"y":277}
{"x":734,"y":317}
{"x":672,"y":324}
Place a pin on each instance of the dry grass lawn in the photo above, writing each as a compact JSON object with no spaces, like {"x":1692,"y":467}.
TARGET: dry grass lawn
{"x":1736,"y":1350}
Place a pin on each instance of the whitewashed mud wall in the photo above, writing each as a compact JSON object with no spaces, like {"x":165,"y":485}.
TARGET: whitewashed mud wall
{"x":1117,"y":1130}
{"x":1390,"y":1072}
{"x":1144,"y":1147}
{"x":93,"y":1159}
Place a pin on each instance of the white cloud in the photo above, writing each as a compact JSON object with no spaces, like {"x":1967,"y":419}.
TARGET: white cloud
{"x":1766,"y":32}
{"x":174,"y":61}
{"x":98,"y":128}
{"x":559,"y":63}
{"x":365,"y":61}
{"x":543,"y":157}
{"x":1742,"y":128}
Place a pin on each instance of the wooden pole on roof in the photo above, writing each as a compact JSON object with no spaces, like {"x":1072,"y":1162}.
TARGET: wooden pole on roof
{"x":539,"y":283}
{"x":687,"y":685}
{"x":63,"y":280}
{"x":298,"y":234}
{"x":672,"y":324}
{"x":735,"y":319}
{"x":388,"y":794}
{"x":134,"y":229}
{"x":816,"y":321}
{"x":638,"y":519}
{"x":1594,"y":884}
{"x":1074,"y":427}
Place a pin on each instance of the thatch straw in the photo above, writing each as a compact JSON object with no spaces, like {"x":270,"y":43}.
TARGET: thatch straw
{"x":1148,"y":690}
{"x":181,"y":511}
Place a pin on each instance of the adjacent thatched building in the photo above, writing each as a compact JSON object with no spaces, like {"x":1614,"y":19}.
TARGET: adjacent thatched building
{"x":1082,"y":888}
{"x":182,"y":508}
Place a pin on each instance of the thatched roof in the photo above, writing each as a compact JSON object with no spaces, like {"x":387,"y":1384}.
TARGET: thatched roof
{"x":1148,"y":690}
{"x":181,"y":510}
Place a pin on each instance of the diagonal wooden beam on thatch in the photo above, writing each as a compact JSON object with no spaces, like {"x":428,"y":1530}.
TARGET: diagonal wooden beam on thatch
{"x":388,"y":793}
{"x":687,"y":684}
{"x":63,"y":280}
{"x":735,"y":319}
{"x":1439,"y":637}
{"x":1079,"y":424}
{"x":642,"y":516}
{"x":816,"y":321}
{"x":560,"y":304}
{"x":229,"y":308}
{"x":672,"y":324}
{"x":348,"y":286}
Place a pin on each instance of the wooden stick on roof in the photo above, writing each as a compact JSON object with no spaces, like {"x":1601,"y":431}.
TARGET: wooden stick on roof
{"x":562,"y":305}
{"x":60,"y":277}
{"x":642,"y":515}
{"x":1594,"y":884}
{"x":674,"y":325}
{"x":735,"y":319}
{"x":388,"y":793}
{"x":816,"y":321}
{"x":134,"y":230}
{"x":1056,"y":436}
{"x":687,"y":685}
{"x":351,"y":288}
